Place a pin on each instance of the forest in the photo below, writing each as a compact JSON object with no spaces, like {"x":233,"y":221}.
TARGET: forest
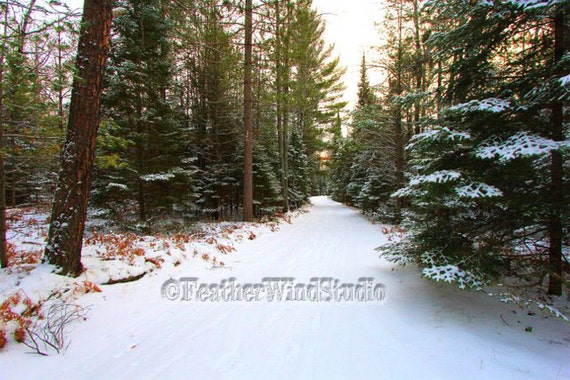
{"x":158,"y":114}
{"x":170,"y":147}
{"x":466,"y":146}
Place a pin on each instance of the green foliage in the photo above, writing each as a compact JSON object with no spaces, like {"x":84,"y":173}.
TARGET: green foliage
{"x":299,"y":175}
{"x":30,"y":112}
{"x":304,"y":85}
{"x":140,"y":144}
{"x":363,"y":171}
{"x":479,"y":184}
{"x":171,"y":138}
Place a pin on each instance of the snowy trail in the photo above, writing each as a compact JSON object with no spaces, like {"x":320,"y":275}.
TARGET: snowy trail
{"x":421,"y":330}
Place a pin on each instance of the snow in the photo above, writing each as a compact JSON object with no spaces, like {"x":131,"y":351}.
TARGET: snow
{"x":420,"y":329}
{"x":118,"y":186}
{"x":157,"y":177}
{"x":525,"y":5}
{"x":450,"y":273}
{"x":533,"y":4}
{"x":493,"y":105}
{"x":442,"y":176}
{"x":438,"y":134}
{"x":478,"y":190}
{"x":523,"y":144}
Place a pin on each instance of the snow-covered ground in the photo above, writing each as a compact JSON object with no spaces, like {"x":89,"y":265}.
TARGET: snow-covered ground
{"x":419,"y":330}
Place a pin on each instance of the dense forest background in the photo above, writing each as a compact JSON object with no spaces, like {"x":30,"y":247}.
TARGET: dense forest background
{"x":465,"y":144}
{"x":171,"y":136}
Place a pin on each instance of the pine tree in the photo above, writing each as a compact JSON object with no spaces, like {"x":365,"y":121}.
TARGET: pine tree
{"x":29,"y":134}
{"x":139,"y":111}
{"x":480,"y":187}
{"x":300,"y":176}
{"x":364,"y":164}
{"x":383,"y":122}
{"x":314,"y":100}
{"x":210,"y":64}
{"x":267,"y":182}
{"x":366,"y":96}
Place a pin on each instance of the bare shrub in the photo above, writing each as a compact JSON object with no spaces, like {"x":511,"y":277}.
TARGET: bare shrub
{"x":51,"y":332}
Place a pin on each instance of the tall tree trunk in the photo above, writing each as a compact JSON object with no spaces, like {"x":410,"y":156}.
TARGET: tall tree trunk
{"x":3,"y":227}
{"x":280,"y":79}
{"x":285,"y":147}
{"x":69,"y":212}
{"x":399,"y":147}
{"x":284,"y":92}
{"x":60,"y":80}
{"x":556,"y":185}
{"x":140,"y":155}
{"x":398,"y":128}
{"x":399,"y":144}
{"x":247,"y":117}
{"x":419,"y":69}
{"x":439,"y":90}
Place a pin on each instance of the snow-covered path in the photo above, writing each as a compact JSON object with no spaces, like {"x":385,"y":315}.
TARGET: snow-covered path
{"x":421,"y":330}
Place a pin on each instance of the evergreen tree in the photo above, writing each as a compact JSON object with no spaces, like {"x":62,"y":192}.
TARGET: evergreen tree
{"x":142,"y":160}
{"x":29,"y":133}
{"x":384,"y":121}
{"x":314,"y":98}
{"x":481,"y":190}
{"x":366,"y":96}
{"x":300,"y":176}
{"x":364,"y":171}
{"x":210,"y":78}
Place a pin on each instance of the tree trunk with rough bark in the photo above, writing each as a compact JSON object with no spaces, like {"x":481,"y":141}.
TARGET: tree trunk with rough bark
{"x":556,"y":169}
{"x":69,"y":212}
{"x":3,"y":226}
{"x":247,"y":117}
